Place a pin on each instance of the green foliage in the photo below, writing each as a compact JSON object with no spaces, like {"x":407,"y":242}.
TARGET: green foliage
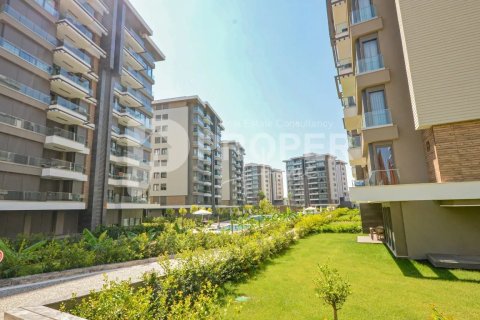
{"x":331,"y":288}
{"x":21,"y":261}
{"x":266,"y":207}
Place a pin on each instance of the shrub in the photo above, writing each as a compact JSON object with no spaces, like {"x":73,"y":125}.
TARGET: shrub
{"x":331,"y":288}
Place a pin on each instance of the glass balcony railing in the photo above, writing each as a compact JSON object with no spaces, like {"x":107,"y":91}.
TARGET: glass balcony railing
{"x":124,"y":153}
{"x":22,"y":54}
{"x":81,"y":55}
{"x":25,"y":90}
{"x":37,"y":128}
{"x":377,"y":118}
{"x":29,"y":24}
{"x":84,"y":30}
{"x":16,"y":158}
{"x":128,"y":176}
{"x":127,"y":199}
{"x":363,"y":14}
{"x":348,"y":102}
{"x":136,"y":37}
{"x":384,"y":177}
{"x":45,"y":4}
{"x":70,"y":105}
{"x":137,"y":57}
{"x":148,"y":56}
{"x":87,"y":7}
{"x":84,"y":83}
{"x":354,"y":141}
{"x":133,"y":113}
{"x":370,"y":64}
{"x":39,"y":196}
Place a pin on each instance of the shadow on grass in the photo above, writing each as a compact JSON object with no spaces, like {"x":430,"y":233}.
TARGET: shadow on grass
{"x":409,"y":269}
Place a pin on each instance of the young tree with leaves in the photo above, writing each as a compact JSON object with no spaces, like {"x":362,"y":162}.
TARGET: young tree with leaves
{"x":331,"y":288}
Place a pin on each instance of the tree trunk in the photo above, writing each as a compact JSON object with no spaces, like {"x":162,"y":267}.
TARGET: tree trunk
{"x":335,"y":316}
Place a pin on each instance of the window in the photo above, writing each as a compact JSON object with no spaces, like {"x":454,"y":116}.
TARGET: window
{"x":155,"y":187}
{"x":158,"y":117}
{"x":158,"y":129}
{"x":164,"y":128}
{"x":164,"y":116}
{"x":164,"y":139}
{"x":157,"y":139}
{"x":375,"y":108}
{"x":163,"y":175}
{"x":164,"y":151}
{"x":156,"y":175}
{"x":164,"y":163}
{"x":156,"y":151}
{"x":384,"y":172}
{"x":163,"y":186}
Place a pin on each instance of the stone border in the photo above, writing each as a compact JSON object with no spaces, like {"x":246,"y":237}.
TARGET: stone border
{"x":72,"y":272}
{"x":38,"y":313}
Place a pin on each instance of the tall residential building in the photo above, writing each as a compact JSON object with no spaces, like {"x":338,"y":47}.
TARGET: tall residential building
{"x":316,"y":180}
{"x":277,"y":187}
{"x":410,"y":91}
{"x":232,"y":173}
{"x":187,"y":154}
{"x":259,"y":178}
{"x":60,"y":61}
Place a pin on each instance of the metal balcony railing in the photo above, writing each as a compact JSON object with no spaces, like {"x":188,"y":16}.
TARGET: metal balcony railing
{"x":370,"y":64}
{"x":363,"y":14}
{"x":22,"y":54}
{"x":377,"y":118}
{"x":29,"y":24}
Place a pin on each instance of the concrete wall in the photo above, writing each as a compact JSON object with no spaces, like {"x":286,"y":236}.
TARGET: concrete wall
{"x":430,"y":228}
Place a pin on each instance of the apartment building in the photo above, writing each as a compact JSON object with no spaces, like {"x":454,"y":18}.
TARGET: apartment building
{"x":60,"y":61}
{"x":259,"y":178}
{"x":409,"y":88}
{"x":232,"y":173}
{"x":315,"y":180}
{"x":187,"y":153}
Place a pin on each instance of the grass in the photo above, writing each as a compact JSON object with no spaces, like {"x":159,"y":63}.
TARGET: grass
{"x":382,"y":287}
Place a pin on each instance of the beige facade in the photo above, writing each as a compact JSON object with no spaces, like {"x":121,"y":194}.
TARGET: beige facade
{"x":257,"y":178}
{"x":186,"y":167}
{"x":277,"y":187}
{"x":406,"y":81}
{"x":55,"y":118}
{"x":232,"y":173}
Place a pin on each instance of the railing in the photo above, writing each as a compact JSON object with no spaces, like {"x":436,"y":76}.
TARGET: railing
{"x":70,"y":105}
{"x":348,"y":102}
{"x":354,"y":141}
{"x":344,"y":64}
{"x":37,"y":128}
{"x":79,"y":26}
{"x":128,"y":176}
{"x":87,"y":7}
{"x":22,"y":54}
{"x":363,"y":14}
{"x":40,"y":162}
{"x":137,"y":57}
{"x":377,"y":118}
{"x":148,"y":56}
{"x":136,"y":37}
{"x":47,"y":7}
{"x":84,"y":83}
{"x":124,"y":153}
{"x":29,"y":24}
{"x":126,"y":199}
{"x":20,"y":87}
{"x":384,"y":177}
{"x":39,"y":196}
{"x":82,"y":55}
{"x":370,"y":64}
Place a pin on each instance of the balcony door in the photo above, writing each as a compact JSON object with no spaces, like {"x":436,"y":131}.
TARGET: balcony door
{"x":384,"y":172}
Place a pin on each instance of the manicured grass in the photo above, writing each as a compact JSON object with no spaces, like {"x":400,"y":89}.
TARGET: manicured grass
{"x":382,"y":287}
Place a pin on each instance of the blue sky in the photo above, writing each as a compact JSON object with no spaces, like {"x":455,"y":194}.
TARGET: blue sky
{"x":266,"y":67}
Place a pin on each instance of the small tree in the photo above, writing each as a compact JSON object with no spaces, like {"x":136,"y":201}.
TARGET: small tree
{"x":182,"y":212}
{"x":260,"y":195}
{"x":265,"y":206}
{"x":331,"y":288}
{"x":171,"y":213}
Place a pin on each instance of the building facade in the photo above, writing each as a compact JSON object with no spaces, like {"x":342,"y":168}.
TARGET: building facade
{"x":315,"y":180}
{"x":232,"y":173}
{"x":187,"y":154}
{"x":411,"y":112}
{"x":262,"y":178}
{"x":60,"y":61}
{"x":277,"y":187}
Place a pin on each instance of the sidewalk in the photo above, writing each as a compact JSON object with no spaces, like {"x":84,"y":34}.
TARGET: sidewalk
{"x":55,"y":290}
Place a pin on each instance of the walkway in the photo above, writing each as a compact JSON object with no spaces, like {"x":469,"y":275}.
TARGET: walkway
{"x":52,"y":291}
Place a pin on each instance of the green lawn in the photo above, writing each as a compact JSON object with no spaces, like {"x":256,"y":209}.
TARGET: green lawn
{"x":382,"y":287}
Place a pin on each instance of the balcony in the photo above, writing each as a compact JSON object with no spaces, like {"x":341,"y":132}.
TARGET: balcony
{"x":134,"y":40}
{"x":128,"y":96}
{"x":63,"y":111}
{"x":131,"y":78}
{"x":127,"y":117}
{"x":370,"y":64}
{"x":126,"y":180}
{"x":24,"y":93}
{"x":133,"y":59}
{"x":84,"y":13}
{"x":27,"y":26}
{"x":65,"y":141}
{"x":50,"y":168}
{"x":71,"y":85}
{"x":69,"y":29}
{"x":345,"y":67}
{"x":341,"y":30}
{"x":355,"y":154}
{"x":70,"y":58}
{"x":377,"y":118}
{"x":126,"y":137}
{"x":380,"y":178}
{"x":34,"y":200}
{"x":118,"y":200}
{"x":124,"y":158}
{"x":23,"y":58}
{"x":351,"y":119}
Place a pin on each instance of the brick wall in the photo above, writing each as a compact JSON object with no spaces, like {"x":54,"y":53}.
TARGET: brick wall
{"x":454,"y":151}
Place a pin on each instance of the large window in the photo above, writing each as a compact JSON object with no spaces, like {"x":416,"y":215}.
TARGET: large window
{"x":375,"y":108}
{"x":384,"y":171}
{"x":368,"y":54}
